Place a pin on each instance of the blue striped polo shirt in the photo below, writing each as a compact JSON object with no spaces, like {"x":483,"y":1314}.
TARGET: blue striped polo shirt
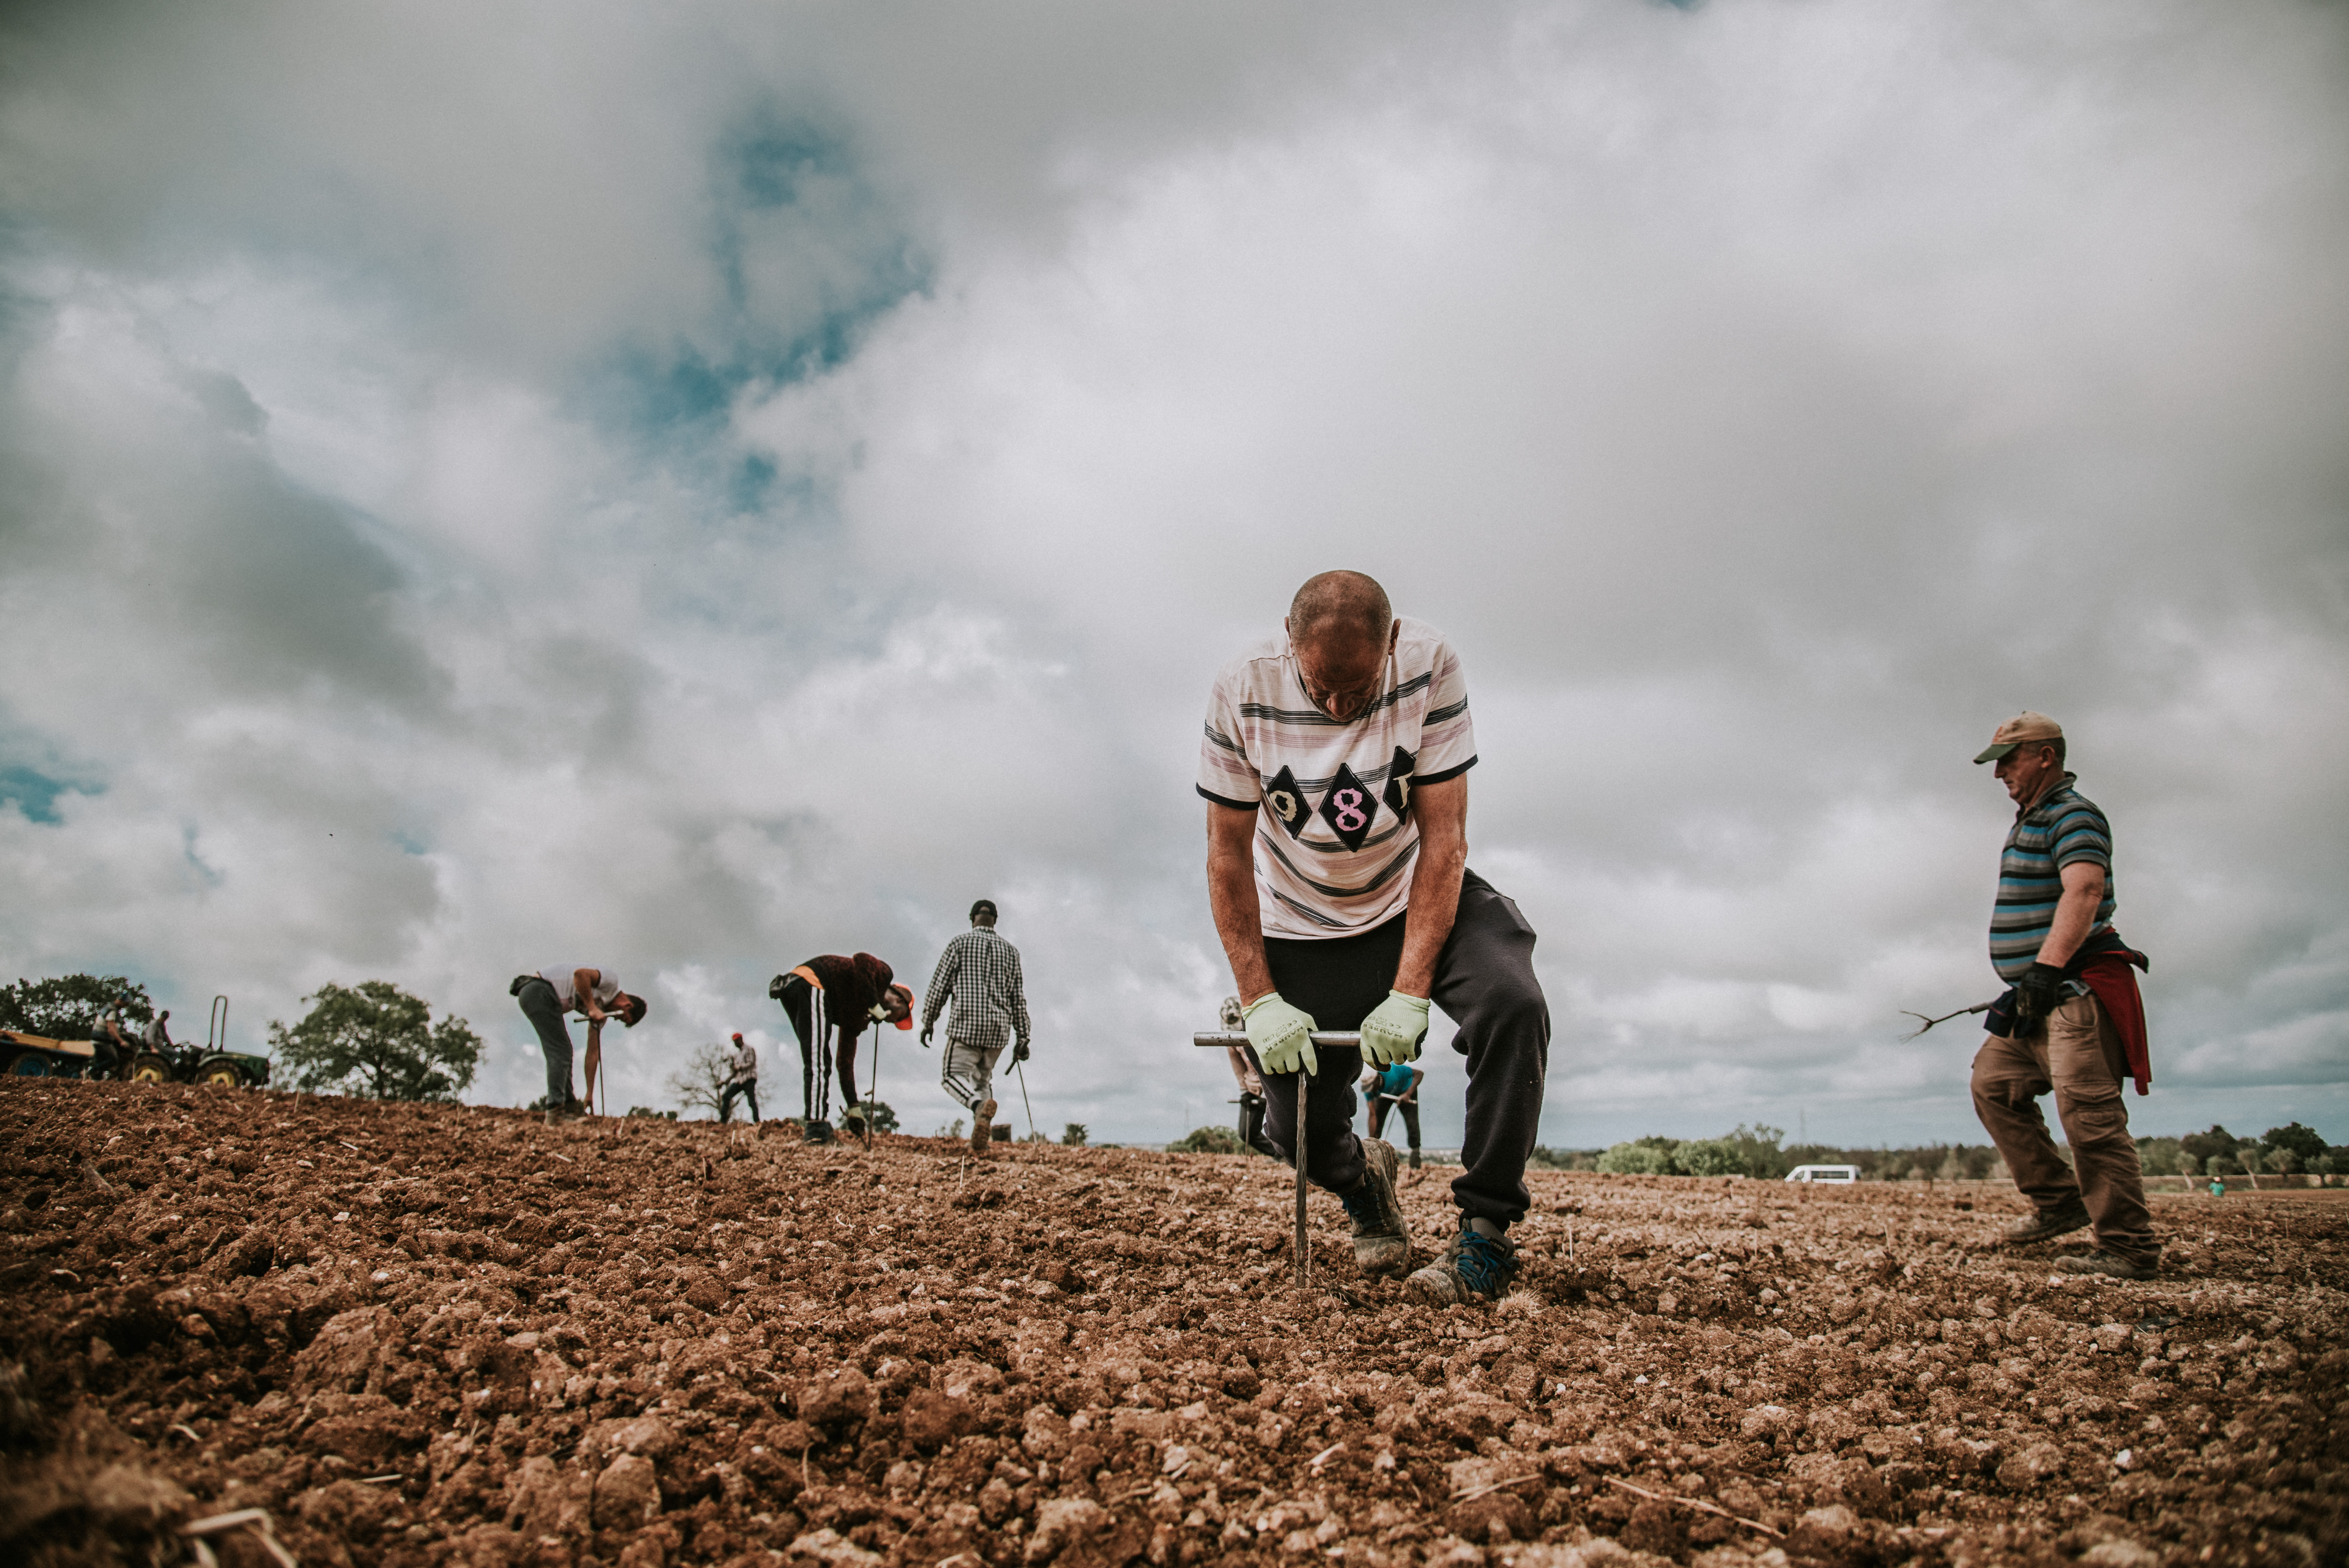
{"x":2063,"y":828}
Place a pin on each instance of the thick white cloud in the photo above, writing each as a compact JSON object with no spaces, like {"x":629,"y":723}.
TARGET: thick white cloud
{"x":692,"y":492}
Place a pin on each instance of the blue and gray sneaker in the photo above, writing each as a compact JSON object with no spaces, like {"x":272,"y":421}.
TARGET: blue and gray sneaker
{"x":1381,"y":1236}
{"x":1475,"y":1267}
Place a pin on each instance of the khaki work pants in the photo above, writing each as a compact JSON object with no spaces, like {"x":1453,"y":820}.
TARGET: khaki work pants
{"x":2078,"y":1055}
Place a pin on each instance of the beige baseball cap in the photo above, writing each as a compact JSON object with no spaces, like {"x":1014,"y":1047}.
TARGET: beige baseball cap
{"x":2023,"y":729}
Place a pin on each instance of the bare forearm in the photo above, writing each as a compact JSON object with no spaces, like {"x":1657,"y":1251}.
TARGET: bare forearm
{"x":2075,"y":914}
{"x":1434,"y":903}
{"x":583,"y":986}
{"x":1442,"y":812}
{"x":1239,"y":919}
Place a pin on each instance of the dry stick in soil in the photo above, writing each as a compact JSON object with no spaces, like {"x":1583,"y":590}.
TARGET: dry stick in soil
{"x":1698,"y":1504}
{"x":1474,"y":1492}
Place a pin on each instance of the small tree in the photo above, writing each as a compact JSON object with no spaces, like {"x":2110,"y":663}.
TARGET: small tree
{"x":1641,"y":1157}
{"x":1074,"y":1138}
{"x":2203,"y":1145}
{"x":1760,"y":1147}
{"x":1210,"y":1141}
{"x":2305,"y":1142}
{"x":702,"y":1080}
{"x":67,"y":1007}
{"x":2188,"y":1165}
{"x":376,"y":1041}
{"x":1714,"y":1156}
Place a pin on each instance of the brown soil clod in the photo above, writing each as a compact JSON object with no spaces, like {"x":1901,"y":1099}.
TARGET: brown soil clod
{"x":351,"y":1333}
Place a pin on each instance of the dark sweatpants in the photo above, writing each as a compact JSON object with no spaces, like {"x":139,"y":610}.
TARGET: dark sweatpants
{"x":544,"y":1010}
{"x":1408,"y":1108}
{"x":1484,"y":980}
{"x":798,"y":1007}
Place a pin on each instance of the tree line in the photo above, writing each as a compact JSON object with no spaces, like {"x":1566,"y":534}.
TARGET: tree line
{"x":371,"y":1040}
{"x":1762,"y":1151}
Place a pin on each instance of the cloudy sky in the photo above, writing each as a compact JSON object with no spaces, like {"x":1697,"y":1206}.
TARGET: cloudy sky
{"x":689,"y":488}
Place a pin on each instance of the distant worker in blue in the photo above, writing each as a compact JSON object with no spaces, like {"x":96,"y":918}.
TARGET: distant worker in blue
{"x":1394,"y":1087}
{"x":979,"y":974}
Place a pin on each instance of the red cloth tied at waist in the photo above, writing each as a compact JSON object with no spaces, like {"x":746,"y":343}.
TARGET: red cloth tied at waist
{"x":2111,"y":975}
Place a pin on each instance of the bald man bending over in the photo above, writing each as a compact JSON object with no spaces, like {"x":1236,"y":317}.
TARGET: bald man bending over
{"x":1335,"y":768}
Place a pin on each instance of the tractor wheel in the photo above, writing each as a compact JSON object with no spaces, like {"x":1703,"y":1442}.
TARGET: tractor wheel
{"x":224,"y":1074}
{"x":151,"y":1068}
{"x":29,"y":1063}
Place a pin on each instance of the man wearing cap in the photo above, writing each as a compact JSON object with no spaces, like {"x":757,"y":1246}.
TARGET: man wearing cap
{"x":979,"y":974}
{"x":741,"y":1082}
{"x":2071,"y":1022}
{"x":854,"y":991}
{"x":1335,"y":768}
{"x":113,"y":1055}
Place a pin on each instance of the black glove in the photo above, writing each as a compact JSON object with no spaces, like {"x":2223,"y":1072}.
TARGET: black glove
{"x":2039,"y":991}
{"x":1020,"y":1051}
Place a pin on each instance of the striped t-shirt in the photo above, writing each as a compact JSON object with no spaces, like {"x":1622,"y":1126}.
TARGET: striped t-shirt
{"x":2063,"y":828}
{"x":1336,"y":839}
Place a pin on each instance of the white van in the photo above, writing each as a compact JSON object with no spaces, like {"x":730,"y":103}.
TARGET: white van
{"x":1841,"y":1175}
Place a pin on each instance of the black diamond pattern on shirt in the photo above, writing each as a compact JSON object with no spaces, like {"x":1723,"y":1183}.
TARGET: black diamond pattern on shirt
{"x":1285,"y":801}
{"x":1349,"y":807}
{"x":1398,"y":790}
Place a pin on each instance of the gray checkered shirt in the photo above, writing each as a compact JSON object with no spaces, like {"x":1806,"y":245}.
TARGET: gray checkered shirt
{"x":980,"y":971}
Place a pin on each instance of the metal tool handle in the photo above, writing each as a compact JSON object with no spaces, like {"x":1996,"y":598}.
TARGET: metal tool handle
{"x":1297,"y":1133}
{"x":1220,"y":1039}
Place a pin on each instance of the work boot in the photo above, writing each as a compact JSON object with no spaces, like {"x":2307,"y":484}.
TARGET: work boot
{"x":1381,"y":1237}
{"x":2111,"y":1265}
{"x":981,"y":1132}
{"x":1475,"y":1267}
{"x":2046,"y":1226}
{"x":1414,"y":1158}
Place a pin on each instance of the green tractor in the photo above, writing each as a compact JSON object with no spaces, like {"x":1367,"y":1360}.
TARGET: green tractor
{"x":211,"y":1063}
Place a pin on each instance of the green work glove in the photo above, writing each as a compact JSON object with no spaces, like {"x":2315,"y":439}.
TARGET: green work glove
{"x":1282,"y":1034}
{"x":1394,"y":1028}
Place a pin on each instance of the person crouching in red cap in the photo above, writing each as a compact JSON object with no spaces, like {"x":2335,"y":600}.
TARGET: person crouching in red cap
{"x":855,"y":991}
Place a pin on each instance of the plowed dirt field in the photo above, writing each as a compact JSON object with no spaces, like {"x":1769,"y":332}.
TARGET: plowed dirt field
{"x":447,"y":1334}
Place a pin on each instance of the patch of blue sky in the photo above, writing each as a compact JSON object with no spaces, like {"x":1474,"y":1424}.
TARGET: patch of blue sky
{"x":408,"y":844}
{"x":206,"y":874}
{"x":808,"y":254}
{"x":35,"y":793}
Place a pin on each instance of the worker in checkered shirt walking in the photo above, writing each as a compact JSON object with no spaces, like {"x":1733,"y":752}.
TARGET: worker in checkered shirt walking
{"x":979,"y":971}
